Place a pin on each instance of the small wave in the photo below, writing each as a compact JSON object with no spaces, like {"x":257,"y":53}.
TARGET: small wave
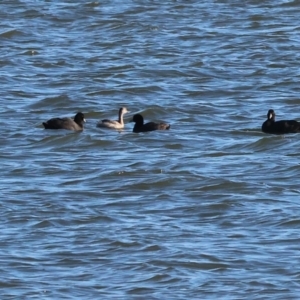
{"x":30,"y":52}
{"x":10,"y":33}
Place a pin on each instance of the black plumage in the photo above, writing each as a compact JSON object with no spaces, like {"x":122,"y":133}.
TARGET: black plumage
{"x":279,"y":127}
{"x":150,"y":126}
{"x":66,"y":123}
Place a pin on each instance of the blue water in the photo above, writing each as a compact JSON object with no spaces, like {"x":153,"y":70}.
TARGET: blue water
{"x":206,"y":210}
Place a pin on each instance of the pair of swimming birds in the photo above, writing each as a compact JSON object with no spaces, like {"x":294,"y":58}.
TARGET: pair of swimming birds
{"x":79,"y":120}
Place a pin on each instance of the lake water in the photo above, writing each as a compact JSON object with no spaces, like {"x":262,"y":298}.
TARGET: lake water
{"x":207,"y":210}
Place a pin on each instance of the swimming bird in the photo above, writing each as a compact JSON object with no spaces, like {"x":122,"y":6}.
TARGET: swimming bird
{"x":151,"y":126}
{"x":279,"y":127}
{"x":119,"y":124}
{"x":66,"y":123}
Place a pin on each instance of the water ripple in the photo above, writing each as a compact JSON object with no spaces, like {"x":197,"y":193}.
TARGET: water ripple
{"x":208,"y":209}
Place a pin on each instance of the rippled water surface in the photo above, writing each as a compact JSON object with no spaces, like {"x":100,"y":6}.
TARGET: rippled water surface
{"x":207,"y":210}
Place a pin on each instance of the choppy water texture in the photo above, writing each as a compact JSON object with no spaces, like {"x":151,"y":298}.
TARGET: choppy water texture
{"x":207,"y":210}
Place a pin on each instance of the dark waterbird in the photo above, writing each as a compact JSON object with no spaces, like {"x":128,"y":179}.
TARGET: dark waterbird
{"x":279,"y":127}
{"x":66,"y":123}
{"x":151,"y":126}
